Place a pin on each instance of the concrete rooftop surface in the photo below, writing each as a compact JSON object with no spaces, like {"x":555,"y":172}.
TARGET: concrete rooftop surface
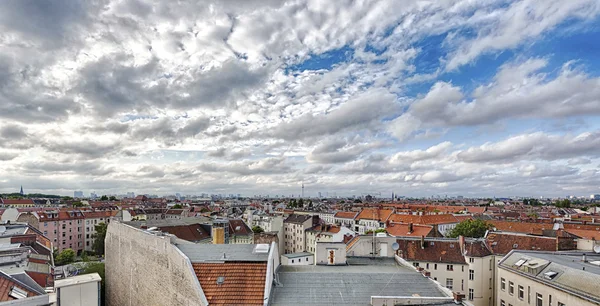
{"x":353,"y":284}
{"x":222,"y":252}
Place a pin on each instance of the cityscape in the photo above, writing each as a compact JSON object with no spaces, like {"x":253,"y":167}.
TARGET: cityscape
{"x":300,"y":152}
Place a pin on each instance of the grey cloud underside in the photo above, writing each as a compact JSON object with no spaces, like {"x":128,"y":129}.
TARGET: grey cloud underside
{"x":163,"y":96}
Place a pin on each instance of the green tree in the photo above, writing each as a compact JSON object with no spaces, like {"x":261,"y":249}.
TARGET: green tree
{"x":65,"y":257}
{"x":99,"y":238}
{"x":257,"y":229}
{"x":78,"y":204}
{"x":300,"y":203}
{"x":357,"y":201}
{"x":97,"y":267}
{"x":566,"y":203}
{"x":470,"y":228}
{"x":104,"y":198}
{"x":177,"y":206}
{"x":84,"y":257}
{"x":112,"y":198}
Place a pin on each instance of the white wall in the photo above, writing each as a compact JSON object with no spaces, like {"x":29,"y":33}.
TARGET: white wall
{"x":298,"y":261}
{"x":322,"y":254}
{"x":79,"y":295}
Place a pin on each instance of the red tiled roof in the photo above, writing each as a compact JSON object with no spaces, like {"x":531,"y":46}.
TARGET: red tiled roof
{"x":434,"y":251}
{"x":6,"y":284}
{"x":239,"y":227}
{"x":503,"y":243}
{"x":346,"y":214}
{"x":375,"y":214}
{"x":521,"y":227}
{"x":244,"y":282}
{"x":585,"y":234}
{"x":192,"y":232}
{"x":401,"y":230}
{"x":17,"y":201}
{"x":427,"y":219}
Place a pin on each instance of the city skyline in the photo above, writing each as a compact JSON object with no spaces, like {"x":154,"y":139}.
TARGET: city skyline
{"x":478,"y":99}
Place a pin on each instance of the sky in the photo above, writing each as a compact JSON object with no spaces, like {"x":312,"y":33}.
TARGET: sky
{"x":420,"y":98}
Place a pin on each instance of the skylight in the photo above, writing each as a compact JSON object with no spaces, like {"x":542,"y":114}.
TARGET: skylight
{"x":550,"y":274}
{"x":520,"y":262}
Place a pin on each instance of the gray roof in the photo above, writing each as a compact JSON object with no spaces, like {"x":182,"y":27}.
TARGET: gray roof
{"x":573,"y":275}
{"x":215,"y":252}
{"x":170,"y":222}
{"x":349,"y":285}
{"x":296,"y":255}
{"x":27,"y":280}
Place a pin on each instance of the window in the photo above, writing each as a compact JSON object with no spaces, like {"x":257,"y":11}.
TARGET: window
{"x":449,"y":267}
{"x":292,"y":261}
{"x":471,"y":274}
{"x":539,"y":300}
{"x":491,"y":264}
{"x":490,"y":283}
{"x":45,"y":223}
{"x":462,"y":285}
{"x":503,"y":284}
{"x":45,"y":233}
{"x":449,"y":283}
{"x":502,"y":303}
{"x":463,"y":268}
{"x":435,"y":266}
{"x":549,"y":300}
{"x":471,"y":294}
{"x":561,"y":304}
{"x":511,"y":288}
{"x":521,"y":292}
{"x":416,"y":264}
{"x":306,"y":258}
{"x":427,"y":266}
{"x":471,"y":260}
{"x":528,"y":294}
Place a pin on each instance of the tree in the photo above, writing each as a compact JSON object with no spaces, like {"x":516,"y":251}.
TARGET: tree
{"x":563,"y":203}
{"x":97,"y":267}
{"x":177,"y":206}
{"x":77,"y":204}
{"x":112,"y":198}
{"x":99,"y":238}
{"x":470,"y":228}
{"x":301,"y":203}
{"x":257,"y":229}
{"x":65,"y":257}
{"x":84,"y":257}
{"x":357,"y":201}
{"x":104,"y":198}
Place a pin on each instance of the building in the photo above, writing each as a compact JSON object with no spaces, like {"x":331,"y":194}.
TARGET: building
{"x":370,"y":219}
{"x":548,"y":278}
{"x":92,"y":219}
{"x":298,"y":259}
{"x":17,"y":292}
{"x":345,"y":218}
{"x":464,"y":266}
{"x":325,"y":233}
{"x":65,"y":228}
{"x":78,"y":194}
{"x":80,"y":290}
{"x":177,"y":272}
{"x":240,"y":232}
{"x":18,"y":203}
{"x":294,"y":229}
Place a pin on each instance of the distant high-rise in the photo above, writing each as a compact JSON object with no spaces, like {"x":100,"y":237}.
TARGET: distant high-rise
{"x":78,"y":194}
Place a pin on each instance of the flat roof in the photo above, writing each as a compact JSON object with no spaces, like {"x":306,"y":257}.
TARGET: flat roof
{"x":76,"y":280}
{"x":222,"y":252}
{"x":296,"y":255}
{"x":353,"y":284}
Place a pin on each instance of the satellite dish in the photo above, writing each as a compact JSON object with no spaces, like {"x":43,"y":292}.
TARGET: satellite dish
{"x":597,"y":249}
{"x":396,"y":246}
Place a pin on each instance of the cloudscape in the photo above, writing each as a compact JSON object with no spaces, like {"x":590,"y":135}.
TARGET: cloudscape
{"x":472,"y":98}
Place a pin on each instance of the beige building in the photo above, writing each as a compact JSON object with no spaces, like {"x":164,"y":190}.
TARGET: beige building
{"x":80,"y":290}
{"x":548,"y":278}
{"x":294,"y":232}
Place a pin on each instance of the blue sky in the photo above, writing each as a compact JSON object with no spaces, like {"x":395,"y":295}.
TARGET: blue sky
{"x":472,"y":98}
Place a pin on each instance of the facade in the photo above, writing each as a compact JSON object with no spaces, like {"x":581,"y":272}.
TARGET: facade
{"x":548,"y":278}
{"x":327,"y":217}
{"x":345,"y":218}
{"x":65,"y":228}
{"x":294,"y":230}
{"x":325,"y":233}
{"x":370,"y":219}
{"x":240,"y":233}
{"x":93,"y":218}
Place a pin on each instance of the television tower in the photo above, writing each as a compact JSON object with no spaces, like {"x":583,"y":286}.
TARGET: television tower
{"x":303,"y":190}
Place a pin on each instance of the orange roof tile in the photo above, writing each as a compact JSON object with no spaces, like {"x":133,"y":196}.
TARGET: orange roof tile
{"x":402,"y":230}
{"x":585,"y":234}
{"x":243,"y":284}
{"x":346,"y":214}
{"x":375,"y":214}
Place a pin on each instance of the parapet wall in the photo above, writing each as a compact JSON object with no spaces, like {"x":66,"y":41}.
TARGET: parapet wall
{"x":145,"y":269}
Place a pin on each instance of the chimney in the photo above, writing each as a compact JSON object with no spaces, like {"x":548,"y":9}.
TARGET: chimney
{"x":584,"y":259}
{"x":461,"y":243}
{"x":410,"y":227}
{"x":422,"y":242}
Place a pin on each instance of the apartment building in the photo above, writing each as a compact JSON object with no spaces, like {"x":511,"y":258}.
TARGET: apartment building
{"x":325,"y":233}
{"x":294,"y":230}
{"x":370,"y":219}
{"x":93,"y":218}
{"x":548,"y":279}
{"x":345,"y":218}
{"x":464,"y":266}
{"x":65,"y":228}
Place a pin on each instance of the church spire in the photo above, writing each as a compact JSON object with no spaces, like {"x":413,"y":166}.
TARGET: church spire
{"x":22,"y":190}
